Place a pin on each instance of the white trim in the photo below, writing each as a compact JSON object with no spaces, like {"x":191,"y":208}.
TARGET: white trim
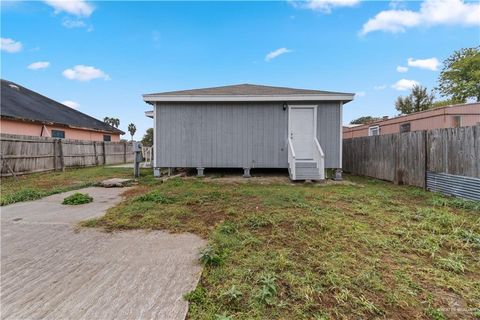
{"x":373,"y":128}
{"x":227,"y":98}
{"x":307,"y":106}
{"x":340,"y":162}
{"x":154,"y":140}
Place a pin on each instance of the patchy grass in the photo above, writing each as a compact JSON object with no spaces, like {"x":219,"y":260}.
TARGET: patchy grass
{"x":36,"y":186}
{"x":77,"y":198}
{"x":366,"y":249}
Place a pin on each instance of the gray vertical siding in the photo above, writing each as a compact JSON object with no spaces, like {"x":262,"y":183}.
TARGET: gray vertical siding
{"x":235,"y":135}
{"x":328,"y":132}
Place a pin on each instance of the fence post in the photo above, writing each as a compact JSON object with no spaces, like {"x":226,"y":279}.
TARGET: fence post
{"x":95,"y":152}
{"x":60,"y":151}
{"x":425,"y":137}
{"x":124,"y":152}
{"x":104,"y":154}
{"x":54,"y":155}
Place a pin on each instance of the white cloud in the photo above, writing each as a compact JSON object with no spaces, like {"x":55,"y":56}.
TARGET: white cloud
{"x":380,"y":87}
{"x":39,"y":65}
{"x":69,"y":23}
{"x":429,"y":64}
{"x":80,"y":8}
{"x":84,"y":73}
{"x":360,"y":94}
{"x":276,"y":53}
{"x":10,"y":45}
{"x":402,"y":69}
{"x":71,"y":104}
{"x":324,"y":6}
{"x":405,"y":84}
{"x":432,"y":12}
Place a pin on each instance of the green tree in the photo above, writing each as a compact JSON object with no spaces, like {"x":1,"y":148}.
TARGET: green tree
{"x":417,"y":100}
{"x":114,"y":122}
{"x":365,"y":120}
{"x":460,"y":76}
{"x":132,"y":129}
{"x":147,"y":140}
{"x":444,"y":103}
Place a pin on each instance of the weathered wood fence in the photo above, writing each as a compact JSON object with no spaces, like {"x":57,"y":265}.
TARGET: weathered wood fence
{"x":27,"y":154}
{"x":405,"y":158}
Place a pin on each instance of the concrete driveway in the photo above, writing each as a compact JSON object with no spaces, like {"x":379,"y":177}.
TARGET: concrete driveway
{"x":50,"y":270}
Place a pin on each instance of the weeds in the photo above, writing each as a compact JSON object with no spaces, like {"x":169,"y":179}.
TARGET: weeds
{"x":77,"y":198}
{"x":155,"y":196}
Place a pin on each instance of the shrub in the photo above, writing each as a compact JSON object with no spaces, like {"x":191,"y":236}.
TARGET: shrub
{"x":77,"y":198}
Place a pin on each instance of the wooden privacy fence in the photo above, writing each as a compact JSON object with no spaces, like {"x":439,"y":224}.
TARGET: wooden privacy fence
{"x":405,"y":158}
{"x":28,"y":154}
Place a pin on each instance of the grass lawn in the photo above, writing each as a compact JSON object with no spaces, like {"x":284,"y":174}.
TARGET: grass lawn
{"x":36,"y":186}
{"x":362,"y":249}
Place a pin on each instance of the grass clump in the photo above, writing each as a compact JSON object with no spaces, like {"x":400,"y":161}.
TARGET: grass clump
{"x":77,"y":198}
{"x":155,"y":196}
{"x":27,"y":194}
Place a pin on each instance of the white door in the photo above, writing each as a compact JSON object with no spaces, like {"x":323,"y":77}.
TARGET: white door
{"x":302,"y":131}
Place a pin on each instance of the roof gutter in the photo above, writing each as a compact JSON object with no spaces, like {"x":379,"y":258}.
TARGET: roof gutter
{"x":246,"y":98}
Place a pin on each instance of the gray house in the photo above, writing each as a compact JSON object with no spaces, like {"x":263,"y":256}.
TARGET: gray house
{"x":249,"y":126}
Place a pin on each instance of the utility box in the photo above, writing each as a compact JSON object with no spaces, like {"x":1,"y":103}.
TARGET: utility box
{"x":137,"y":159}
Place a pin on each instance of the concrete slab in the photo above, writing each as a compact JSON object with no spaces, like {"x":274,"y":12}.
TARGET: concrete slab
{"x":50,"y":270}
{"x":115,"y":183}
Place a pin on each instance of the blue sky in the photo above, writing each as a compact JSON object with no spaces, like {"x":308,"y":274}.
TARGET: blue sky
{"x":102,"y":56}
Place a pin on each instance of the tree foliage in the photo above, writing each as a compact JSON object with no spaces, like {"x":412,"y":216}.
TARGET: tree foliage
{"x":460,"y":76}
{"x":365,"y":120}
{"x":417,"y":100}
{"x":132,"y":129}
{"x":147,"y":140}
{"x":114,"y":122}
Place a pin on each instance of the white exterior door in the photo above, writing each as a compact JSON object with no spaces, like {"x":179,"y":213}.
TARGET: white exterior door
{"x":302,"y":130}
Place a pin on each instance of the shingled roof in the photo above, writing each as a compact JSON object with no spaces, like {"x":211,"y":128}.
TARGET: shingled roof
{"x":248,"y":92}
{"x":20,"y":103}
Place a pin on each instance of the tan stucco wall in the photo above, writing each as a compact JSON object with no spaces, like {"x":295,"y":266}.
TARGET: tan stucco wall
{"x":35,"y":129}
{"x":426,"y":120}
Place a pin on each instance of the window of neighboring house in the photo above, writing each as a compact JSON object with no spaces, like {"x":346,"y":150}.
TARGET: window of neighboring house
{"x":405,"y":127}
{"x":374,"y":131}
{"x":457,"y":121}
{"x":107,"y":137}
{"x":59,"y":134}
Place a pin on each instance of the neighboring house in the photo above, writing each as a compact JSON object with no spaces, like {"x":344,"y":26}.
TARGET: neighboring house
{"x":462,"y":115}
{"x":249,"y":126}
{"x":25,"y":112}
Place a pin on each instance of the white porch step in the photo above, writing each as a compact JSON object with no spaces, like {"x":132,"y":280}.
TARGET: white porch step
{"x":306,"y":164}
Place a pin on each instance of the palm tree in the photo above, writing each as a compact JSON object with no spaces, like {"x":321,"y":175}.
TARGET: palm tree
{"x":132,"y":129}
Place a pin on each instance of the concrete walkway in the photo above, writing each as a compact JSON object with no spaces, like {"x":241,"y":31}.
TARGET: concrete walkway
{"x":50,"y":270}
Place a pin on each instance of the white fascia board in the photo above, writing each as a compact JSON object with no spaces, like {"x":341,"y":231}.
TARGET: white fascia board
{"x":214,"y":98}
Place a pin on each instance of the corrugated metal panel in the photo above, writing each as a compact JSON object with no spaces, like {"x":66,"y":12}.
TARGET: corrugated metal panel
{"x":449,"y":184}
{"x":236,"y":135}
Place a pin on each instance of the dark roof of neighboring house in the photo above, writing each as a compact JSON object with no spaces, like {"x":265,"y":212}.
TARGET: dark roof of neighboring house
{"x":18,"y":102}
{"x":239,"y":91}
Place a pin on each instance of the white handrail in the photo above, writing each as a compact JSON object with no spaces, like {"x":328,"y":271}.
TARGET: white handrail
{"x":290,"y":145}
{"x":291,"y":159}
{"x":319,"y":148}
{"x":319,"y":158}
